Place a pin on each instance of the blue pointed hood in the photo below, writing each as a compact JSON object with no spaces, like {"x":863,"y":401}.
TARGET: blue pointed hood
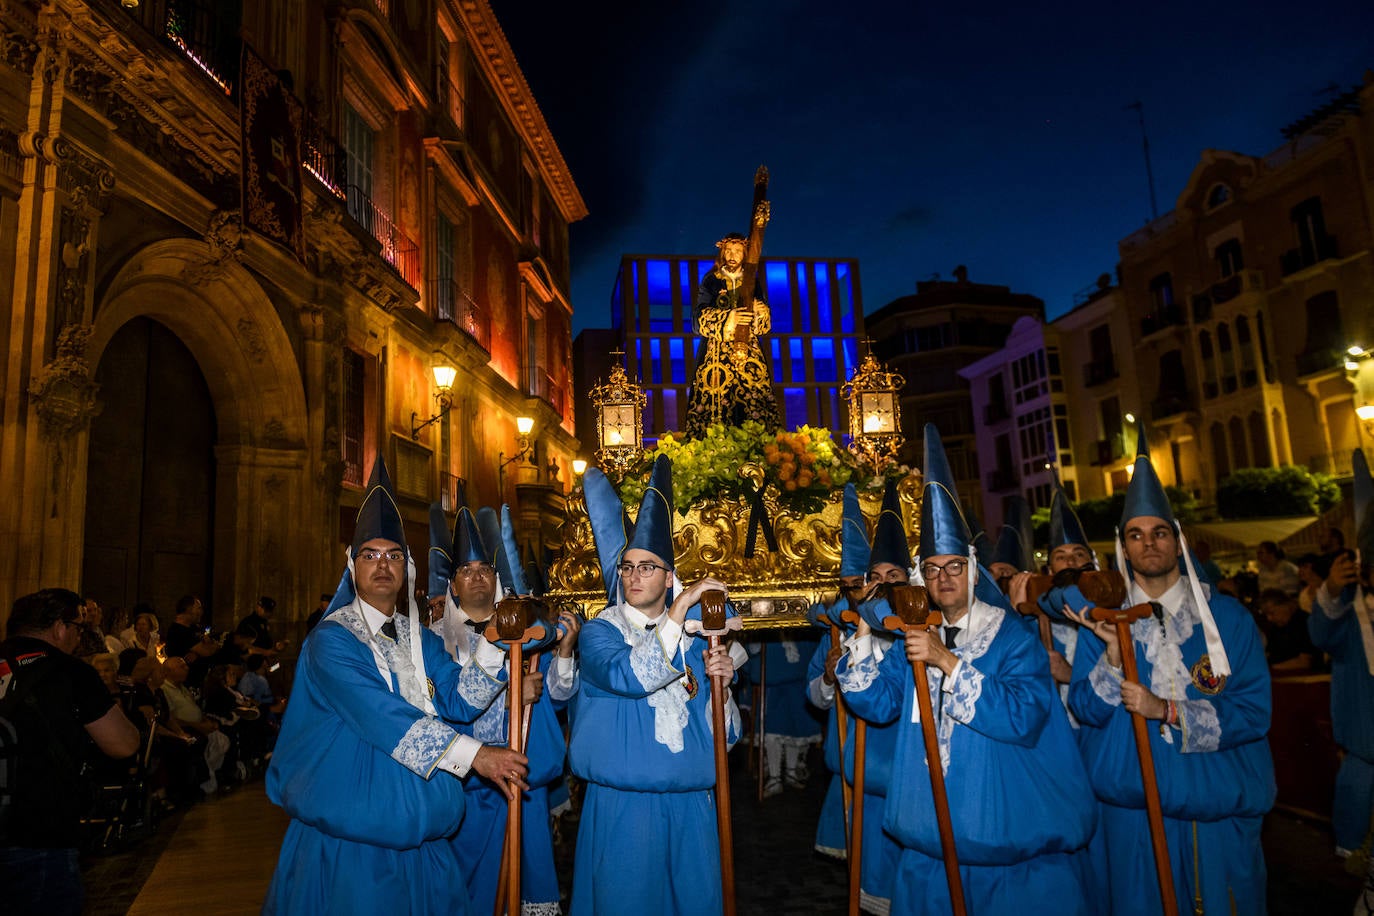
{"x":1364,"y":502}
{"x":854,"y":547}
{"x":653,"y":529}
{"x":943,"y":528}
{"x":489,"y":527}
{"x":1145,"y":494}
{"x":468,"y":544}
{"x":378,"y":515}
{"x":440,"y":552}
{"x":1014,"y":544}
{"x":512,"y":554}
{"x":1065,"y":528}
{"x":889,"y":535}
{"x":609,"y":526}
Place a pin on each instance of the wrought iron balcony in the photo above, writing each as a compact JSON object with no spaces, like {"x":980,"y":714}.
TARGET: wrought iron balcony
{"x":324,"y":157}
{"x":1167,"y":317}
{"x":398,"y":250}
{"x":1108,"y":450}
{"x":1311,"y":362}
{"x":1296,"y":259}
{"x":1170,"y":403}
{"x":453,"y":304}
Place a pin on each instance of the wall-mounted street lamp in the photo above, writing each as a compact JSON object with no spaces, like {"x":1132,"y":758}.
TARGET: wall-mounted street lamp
{"x":875,"y":411}
{"x":523,"y":426}
{"x":443,"y":393}
{"x":579,"y":467}
{"x":1359,"y":369}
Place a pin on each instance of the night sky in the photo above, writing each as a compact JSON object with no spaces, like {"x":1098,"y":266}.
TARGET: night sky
{"x":912,"y":136}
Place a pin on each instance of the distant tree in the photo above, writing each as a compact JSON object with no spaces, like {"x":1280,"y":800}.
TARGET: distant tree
{"x":1276,"y":492}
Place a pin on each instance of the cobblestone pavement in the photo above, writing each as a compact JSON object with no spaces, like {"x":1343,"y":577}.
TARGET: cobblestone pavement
{"x":778,"y":873}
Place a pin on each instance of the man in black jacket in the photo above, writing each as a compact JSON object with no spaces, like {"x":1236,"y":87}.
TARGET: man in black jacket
{"x":52,"y":707}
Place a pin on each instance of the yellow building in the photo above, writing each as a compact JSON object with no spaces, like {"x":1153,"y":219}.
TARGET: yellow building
{"x":214,"y":331}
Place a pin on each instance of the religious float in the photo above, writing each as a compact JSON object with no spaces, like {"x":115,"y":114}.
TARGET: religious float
{"x":758,"y":507}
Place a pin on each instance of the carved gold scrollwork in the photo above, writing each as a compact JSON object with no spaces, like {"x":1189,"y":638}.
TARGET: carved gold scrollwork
{"x":772,"y":588}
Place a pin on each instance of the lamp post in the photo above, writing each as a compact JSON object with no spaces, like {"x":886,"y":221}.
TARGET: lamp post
{"x":1359,"y":370}
{"x":443,"y":393}
{"x":875,"y":413}
{"x":619,"y":407}
{"x":523,"y":426}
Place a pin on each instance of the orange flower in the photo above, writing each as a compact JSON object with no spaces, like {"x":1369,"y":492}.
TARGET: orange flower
{"x":804,"y":479}
{"x":789,"y":485}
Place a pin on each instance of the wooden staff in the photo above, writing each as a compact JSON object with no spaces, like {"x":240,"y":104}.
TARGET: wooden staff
{"x":1107,"y":591}
{"x":842,"y":724}
{"x":1035,"y":587}
{"x":531,"y":663}
{"x":713,"y":625}
{"x":513,"y":623}
{"x":760,"y":712}
{"x":856,"y":818}
{"x":911,"y":607}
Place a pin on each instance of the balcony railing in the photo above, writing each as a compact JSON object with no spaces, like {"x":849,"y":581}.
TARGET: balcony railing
{"x":209,"y":38}
{"x":1202,"y":307}
{"x":1168,"y":317}
{"x":1001,"y":479}
{"x":995,"y":412}
{"x":325,"y":158}
{"x":398,"y":250}
{"x":453,"y":304}
{"x":1296,"y":259}
{"x":1099,"y":371}
{"x":1171,"y":403}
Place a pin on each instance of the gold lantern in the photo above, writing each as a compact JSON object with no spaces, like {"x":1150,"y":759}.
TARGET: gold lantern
{"x":619,"y":407}
{"x":875,"y":412}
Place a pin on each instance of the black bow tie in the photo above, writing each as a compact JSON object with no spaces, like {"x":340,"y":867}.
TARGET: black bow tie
{"x":649,"y":627}
{"x":389,"y":629}
{"x":476,"y":626}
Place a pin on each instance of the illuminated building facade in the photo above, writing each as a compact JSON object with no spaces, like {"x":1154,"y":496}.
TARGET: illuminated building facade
{"x":817,"y":322}
{"x":219,"y":314}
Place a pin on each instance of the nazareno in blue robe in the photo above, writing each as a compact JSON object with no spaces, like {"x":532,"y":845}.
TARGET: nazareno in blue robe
{"x":479,"y":841}
{"x":355,"y":768}
{"x":647,"y":842}
{"x":1335,"y":629}
{"x":786,"y":710}
{"x":1020,"y":803}
{"x":1215,"y":773}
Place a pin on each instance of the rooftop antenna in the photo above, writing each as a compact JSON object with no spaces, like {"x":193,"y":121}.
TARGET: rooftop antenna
{"x":1139,"y":109}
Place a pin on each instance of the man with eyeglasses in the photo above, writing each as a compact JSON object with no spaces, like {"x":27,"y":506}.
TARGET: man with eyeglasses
{"x":1019,"y":801}
{"x":57,"y":707}
{"x":364,"y":738}
{"x":464,"y":567}
{"x":641,"y":729}
{"x":1204,"y":687}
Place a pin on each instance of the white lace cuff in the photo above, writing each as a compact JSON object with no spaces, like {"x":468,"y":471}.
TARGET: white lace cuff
{"x":858,"y":675}
{"x":1201,"y":727}
{"x":964,"y":687}
{"x":423,"y":745}
{"x":1106,"y":681}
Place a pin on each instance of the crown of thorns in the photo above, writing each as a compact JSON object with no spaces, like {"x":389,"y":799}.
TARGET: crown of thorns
{"x":732,"y":237}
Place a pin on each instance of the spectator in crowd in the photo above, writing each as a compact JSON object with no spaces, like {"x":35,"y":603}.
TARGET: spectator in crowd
{"x":1287,"y":644}
{"x":1312,"y":570}
{"x":189,"y":640}
{"x":92,"y":639}
{"x":107,"y":668}
{"x":253,"y":685}
{"x":1332,"y":542}
{"x":257,"y":625}
{"x":318,"y":614}
{"x":116,"y":621}
{"x":1203,"y":551}
{"x":57,"y":708}
{"x":192,"y":719}
{"x":1275,"y":571}
{"x":143,"y":635}
{"x":178,"y":765}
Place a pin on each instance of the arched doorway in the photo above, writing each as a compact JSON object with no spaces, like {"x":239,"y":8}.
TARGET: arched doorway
{"x":149,"y":531}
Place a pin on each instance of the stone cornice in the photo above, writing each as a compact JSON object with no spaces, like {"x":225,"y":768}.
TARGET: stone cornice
{"x":498,"y":63}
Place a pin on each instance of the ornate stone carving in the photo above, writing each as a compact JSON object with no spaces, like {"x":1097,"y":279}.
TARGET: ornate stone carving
{"x":18,"y":51}
{"x":224,"y":236}
{"x":250,"y":338}
{"x":64,"y":391}
{"x":274,"y":433}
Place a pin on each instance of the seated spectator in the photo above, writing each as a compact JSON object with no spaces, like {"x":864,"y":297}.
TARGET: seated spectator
{"x":1274,"y":571}
{"x":178,"y":765}
{"x":188,"y":638}
{"x":257,"y":625}
{"x":188,"y":714}
{"x":1287,"y":645}
{"x":1312,"y":570}
{"x":143,"y":635}
{"x":107,"y":666}
{"x":254,"y":686}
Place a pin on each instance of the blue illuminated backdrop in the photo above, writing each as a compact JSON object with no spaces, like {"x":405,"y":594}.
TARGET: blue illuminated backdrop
{"x":817,"y":315}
